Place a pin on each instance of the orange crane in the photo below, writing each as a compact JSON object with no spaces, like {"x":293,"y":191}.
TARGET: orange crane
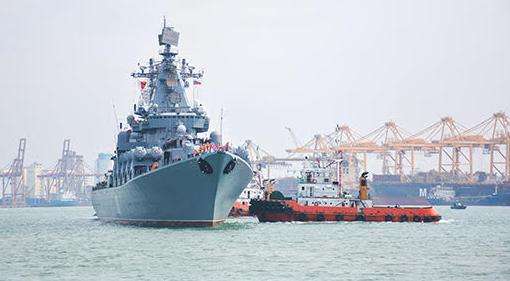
{"x":443,"y":138}
{"x":493,"y":134}
{"x":452,"y":142}
{"x":318,"y":146}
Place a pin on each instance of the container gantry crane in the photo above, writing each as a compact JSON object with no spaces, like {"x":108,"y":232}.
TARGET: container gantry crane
{"x":13,"y":188}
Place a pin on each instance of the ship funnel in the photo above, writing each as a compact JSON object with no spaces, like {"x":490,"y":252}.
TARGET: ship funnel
{"x":363,"y":186}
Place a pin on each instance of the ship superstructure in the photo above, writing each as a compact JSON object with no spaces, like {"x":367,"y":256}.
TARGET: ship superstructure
{"x":165,"y":172}
{"x":320,"y":186}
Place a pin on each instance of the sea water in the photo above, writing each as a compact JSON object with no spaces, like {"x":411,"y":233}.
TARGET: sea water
{"x":70,"y":244}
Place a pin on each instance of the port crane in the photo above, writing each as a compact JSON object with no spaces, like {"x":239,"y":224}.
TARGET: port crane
{"x":68,"y":177}
{"x":453,"y":144}
{"x":295,"y":140}
{"x":13,"y":179}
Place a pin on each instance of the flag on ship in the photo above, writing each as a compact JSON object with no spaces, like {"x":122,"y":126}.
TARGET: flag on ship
{"x":143,"y":84}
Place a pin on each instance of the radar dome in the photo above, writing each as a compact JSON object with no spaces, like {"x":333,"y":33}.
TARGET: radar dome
{"x":181,"y":130}
{"x":140,"y":152}
{"x":156,"y":153}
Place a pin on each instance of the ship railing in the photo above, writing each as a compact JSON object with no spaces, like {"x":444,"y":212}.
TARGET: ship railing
{"x":211,"y":147}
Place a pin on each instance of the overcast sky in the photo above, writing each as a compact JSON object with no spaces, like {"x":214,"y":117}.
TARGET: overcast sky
{"x":304,"y":64}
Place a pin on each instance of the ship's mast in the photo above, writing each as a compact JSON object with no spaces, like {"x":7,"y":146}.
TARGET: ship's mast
{"x":166,"y":89}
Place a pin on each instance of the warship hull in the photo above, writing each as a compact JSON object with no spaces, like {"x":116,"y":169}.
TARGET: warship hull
{"x":179,"y":194}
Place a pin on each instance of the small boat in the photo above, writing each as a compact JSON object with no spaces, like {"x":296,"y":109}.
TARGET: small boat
{"x":458,"y":206}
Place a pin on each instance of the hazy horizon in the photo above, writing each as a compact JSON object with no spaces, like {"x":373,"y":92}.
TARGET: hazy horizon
{"x":302,"y":64}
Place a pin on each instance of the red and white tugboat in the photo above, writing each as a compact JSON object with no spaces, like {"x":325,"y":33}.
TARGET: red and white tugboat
{"x":320,"y":197}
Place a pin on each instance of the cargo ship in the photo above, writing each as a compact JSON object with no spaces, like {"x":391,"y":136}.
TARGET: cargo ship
{"x":432,"y":188}
{"x":426,"y":189}
{"x":320,"y":197}
{"x":166,"y":172}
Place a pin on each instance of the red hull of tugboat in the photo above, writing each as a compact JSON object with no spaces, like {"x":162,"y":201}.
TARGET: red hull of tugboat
{"x":290,"y":210}
{"x":240,"y":209}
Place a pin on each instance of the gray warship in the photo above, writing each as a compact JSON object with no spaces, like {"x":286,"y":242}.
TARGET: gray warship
{"x":166,"y":170}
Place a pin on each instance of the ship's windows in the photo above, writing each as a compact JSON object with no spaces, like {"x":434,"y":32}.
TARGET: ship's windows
{"x":302,"y":188}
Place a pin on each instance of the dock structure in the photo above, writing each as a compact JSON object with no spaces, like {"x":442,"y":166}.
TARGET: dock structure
{"x":453,"y":145}
{"x":399,"y":152}
{"x":13,"y":189}
{"x":69,"y":178}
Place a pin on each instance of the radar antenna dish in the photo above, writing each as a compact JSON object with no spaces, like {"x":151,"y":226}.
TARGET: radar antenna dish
{"x":168,"y":36}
